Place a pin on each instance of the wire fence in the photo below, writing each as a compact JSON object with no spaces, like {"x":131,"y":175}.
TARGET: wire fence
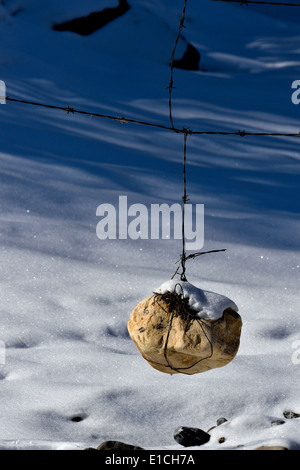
{"x":127,"y":120}
{"x":184,"y":130}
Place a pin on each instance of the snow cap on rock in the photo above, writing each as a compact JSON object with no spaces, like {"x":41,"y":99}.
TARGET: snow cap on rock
{"x":207,"y":305}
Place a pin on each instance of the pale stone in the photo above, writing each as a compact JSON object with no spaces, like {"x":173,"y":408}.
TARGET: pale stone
{"x":271,"y":448}
{"x":172,"y":344}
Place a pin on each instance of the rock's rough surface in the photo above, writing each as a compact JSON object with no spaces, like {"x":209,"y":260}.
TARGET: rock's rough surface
{"x":117,"y":445}
{"x":221,"y":421}
{"x":172,"y":340}
{"x":189,"y":437}
{"x":291,"y":415}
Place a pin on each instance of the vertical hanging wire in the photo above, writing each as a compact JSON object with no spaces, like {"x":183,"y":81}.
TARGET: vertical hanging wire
{"x":171,"y":83}
{"x":186,"y":133}
{"x":184,"y":199}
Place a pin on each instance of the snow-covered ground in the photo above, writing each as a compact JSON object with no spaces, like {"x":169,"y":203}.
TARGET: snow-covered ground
{"x":66,"y":296}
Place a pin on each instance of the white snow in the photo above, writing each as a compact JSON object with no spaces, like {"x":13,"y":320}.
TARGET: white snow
{"x":207,"y":305}
{"x":66,"y":296}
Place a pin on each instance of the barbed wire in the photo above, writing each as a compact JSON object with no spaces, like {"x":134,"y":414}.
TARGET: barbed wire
{"x":249,"y":2}
{"x":185,"y":135}
{"x":127,"y":120}
{"x":185,"y":198}
{"x":193,"y":256}
{"x":185,"y":131}
{"x":171,"y":83}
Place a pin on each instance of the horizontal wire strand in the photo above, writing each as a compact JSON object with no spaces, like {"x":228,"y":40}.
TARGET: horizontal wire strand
{"x":125,"y":120}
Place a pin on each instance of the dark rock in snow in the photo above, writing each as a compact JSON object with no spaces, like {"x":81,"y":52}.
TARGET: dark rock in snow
{"x":87,"y":25}
{"x":278,"y":422}
{"x":221,"y":421}
{"x":291,"y":415}
{"x":189,"y":437}
{"x":77,"y":419}
{"x":116,"y":445}
{"x":190,"y":60}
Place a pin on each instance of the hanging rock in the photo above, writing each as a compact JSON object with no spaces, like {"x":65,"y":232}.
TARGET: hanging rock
{"x":174,"y":338}
{"x":189,"y":437}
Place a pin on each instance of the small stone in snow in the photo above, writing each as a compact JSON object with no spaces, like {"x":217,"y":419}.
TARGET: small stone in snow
{"x":77,"y":419}
{"x":117,"y":445}
{"x":271,"y":448}
{"x":290,"y":415}
{"x":221,"y":421}
{"x":189,"y":437}
{"x":278,"y":422}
